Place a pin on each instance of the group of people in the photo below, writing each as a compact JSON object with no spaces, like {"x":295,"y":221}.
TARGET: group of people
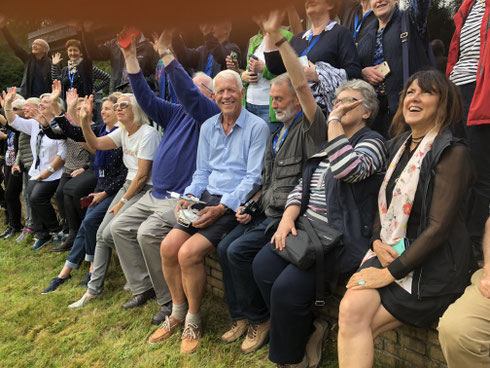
{"x":345,"y":127}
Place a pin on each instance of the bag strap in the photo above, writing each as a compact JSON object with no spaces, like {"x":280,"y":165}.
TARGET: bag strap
{"x":404,"y":40}
{"x":320,"y":266}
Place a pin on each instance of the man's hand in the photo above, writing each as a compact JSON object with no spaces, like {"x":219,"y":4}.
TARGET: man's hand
{"x":248,"y":77}
{"x":385,"y":253}
{"x":310,"y":73}
{"x":77,"y":172}
{"x":372,"y":76}
{"x":242,"y":219}
{"x":255,"y":65}
{"x":57,"y":58}
{"x":485,"y":284}
{"x":209,"y":216}
{"x":97,"y":198}
{"x":163,"y":41}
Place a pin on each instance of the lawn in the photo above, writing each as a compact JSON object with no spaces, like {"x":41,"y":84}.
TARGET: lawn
{"x":39,"y":330}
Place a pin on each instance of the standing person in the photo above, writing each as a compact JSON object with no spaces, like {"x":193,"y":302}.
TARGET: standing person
{"x":139,"y":231}
{"x":468,"y":58}
{"x":80,"y":73}
{"x":229,"y":165}
{"x":37,"y":65}
{"x":384,"y":41}
{"x":421,"y":260}
{"x":139,"y":142}
{"x":357,"y":16}
{"x":209,"y":58}
{"x":48,"y":159}
{"x":328,"y":53}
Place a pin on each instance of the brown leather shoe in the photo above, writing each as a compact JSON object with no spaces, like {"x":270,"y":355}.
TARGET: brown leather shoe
{"x":237,"y":330}
{"x":315,"y":343}
{"x":165,"y":330}
{"x":257,"y":335}
{"x":190,"y":338}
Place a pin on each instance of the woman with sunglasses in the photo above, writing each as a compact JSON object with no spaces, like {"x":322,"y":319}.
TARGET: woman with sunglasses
{"x":139,"y":142}
{"x":45,"y":172}
{"x":111,"y":173}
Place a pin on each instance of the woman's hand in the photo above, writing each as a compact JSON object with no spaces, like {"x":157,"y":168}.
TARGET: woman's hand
{"x":341,"y":109}
{"x":71,"y":99}
{"x":86,"y":110}
{"x":57,"y":58}
{"x":242,"y":219}
{"x":97,"y":198}
{"x":39,"y":117}
{"x":43,"y":175}
{"x":9,"y":97}
{"x":385,"y":253}
{"x":310,"y":73}
{"x":232,"y":64}
{"x":77,"y":172}
{"x":249,"y":77}
{"x":286,"y":226}
{"x":372,"y":76}
{"x":370,"y":278}
{"x":256,"y":65}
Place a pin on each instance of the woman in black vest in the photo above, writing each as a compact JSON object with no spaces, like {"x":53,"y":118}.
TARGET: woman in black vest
{"x":421,"y":256}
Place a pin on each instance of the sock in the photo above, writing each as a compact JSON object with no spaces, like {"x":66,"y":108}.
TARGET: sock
{"x":193,"y":318}
{"x":179,"y":311}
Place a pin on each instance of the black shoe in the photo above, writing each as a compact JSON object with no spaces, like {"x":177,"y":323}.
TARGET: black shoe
{"x":65,"y":246}
{"x":12,"y":232}
{"x":165,"y":310}
{"x":6,"y":232}
{"x":139,"y":299}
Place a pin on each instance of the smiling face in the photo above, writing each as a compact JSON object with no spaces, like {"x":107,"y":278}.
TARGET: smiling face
{"x":74,"y":53}
{"x":45,"y":107}
{"x":108,"y":114}
{"x":124,"y":113}
{"x":420,"y":107}
{"x":39,"y":47}
{"x":28,"y":106}
{"x":228,"y":96}
{"x":284,"y":103}
{"x":383,"y":9}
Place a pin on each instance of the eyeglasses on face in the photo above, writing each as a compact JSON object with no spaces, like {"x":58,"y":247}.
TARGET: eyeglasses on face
{"x":345,"y":101}
{"x":123,"y":105}
{"x":206,"y":87}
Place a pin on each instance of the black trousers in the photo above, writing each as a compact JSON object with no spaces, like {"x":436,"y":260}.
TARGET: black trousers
{"x":13,"y":189}
{"x":60,"y":200}
{"x":43,"y":215}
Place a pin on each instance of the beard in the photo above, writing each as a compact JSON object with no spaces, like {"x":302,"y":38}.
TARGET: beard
{"x":286,"y":114}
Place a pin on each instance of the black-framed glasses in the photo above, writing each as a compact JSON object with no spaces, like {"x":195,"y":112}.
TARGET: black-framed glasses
{"x":123,"y":105}
{"x":345,"y":101}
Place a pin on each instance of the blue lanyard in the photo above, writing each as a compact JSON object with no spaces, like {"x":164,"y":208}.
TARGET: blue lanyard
{"x":311,"y":44}
{"x":71,"y":77}
{"x":357,"y":25}
{"x":209,"y":66}
{"x":172,"y":96}
{"x":276,"y":137}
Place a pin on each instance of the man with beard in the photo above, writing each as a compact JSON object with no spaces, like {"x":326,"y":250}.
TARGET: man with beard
{"x":287,"y":151}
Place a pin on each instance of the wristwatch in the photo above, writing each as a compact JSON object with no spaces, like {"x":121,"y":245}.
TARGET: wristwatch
{"x":124,"y":200}
{"x":51,"y":169}
{"x":165,"y":53}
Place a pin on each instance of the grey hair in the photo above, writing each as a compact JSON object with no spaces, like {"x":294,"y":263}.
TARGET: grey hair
{"x":19,"y":102}
{"x":139,"y":115}
{"x":284,"y":78}
{"x":61,"y":103}
{"x":369,"y":96}
{"x":209,"y":80}
{"x":33,"y":100}
{"x":229,"y":75}
{"x":45,"y":43}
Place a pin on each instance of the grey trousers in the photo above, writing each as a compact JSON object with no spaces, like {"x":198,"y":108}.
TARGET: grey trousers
{"x":105,"y":243}
{"x":137,"y":236}
{"x":25,"y":195}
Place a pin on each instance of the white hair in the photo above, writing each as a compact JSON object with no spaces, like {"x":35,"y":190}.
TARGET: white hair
{"x":139,"y":115}
{"x":229,"y":75}
{"x":209,"y":81}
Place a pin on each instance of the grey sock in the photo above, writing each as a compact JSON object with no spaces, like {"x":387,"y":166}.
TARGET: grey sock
{"x":179,"y":311}
{"x":193,"y":318}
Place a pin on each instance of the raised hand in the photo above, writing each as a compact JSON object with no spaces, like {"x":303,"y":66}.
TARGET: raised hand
{"x":271,"y":24}
{"x":164,"y":41}
{"x":87,"y":108}
{"x":57,"y":58}
{"x":39,"y":116}
{"x":130,"y":51}
{"x":55,"y":91}
{"x":71,"y":98}
{"x":10,"y":96}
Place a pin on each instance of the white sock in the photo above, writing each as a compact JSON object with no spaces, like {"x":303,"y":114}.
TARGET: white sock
{"x":179,"y":311}
{"x":193,"y":318}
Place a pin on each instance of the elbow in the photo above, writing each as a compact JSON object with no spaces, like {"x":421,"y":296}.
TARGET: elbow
{"x":302,"y":87}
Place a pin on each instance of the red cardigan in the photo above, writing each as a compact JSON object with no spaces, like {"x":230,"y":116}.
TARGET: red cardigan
{"x":479,"y":113}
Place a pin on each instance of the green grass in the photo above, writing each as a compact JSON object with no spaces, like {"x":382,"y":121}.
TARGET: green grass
{"x":39,"y":330}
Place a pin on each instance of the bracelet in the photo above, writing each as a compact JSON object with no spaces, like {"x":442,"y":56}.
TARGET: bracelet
{"x":334,"y":118}
{"x":280,"y":42}
{"x":124,"y":200}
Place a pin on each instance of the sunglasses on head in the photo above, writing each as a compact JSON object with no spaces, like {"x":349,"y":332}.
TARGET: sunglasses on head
{"x":123,"y":105}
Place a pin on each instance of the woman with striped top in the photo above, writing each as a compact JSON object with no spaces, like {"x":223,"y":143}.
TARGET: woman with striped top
{"x":339,"y":187}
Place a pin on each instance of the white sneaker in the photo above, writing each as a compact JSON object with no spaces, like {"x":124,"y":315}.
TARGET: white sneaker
{"x":82,"y":302}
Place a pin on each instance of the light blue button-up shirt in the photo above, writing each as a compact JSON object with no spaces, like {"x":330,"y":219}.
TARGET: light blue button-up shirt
{"x":230,"y":165}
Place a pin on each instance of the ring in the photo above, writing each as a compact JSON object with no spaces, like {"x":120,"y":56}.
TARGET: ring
{"x":361,"y":282}
{"x":277,"y":236}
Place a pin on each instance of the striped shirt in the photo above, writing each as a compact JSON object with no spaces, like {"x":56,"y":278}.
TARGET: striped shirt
{"x":346,"y":163}
{"x":466,"y":68}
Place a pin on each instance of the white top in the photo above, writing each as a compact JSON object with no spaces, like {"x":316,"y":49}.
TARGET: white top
{"x":259,"y":93}
{"x":464,"y":72}
{"x":142,"y":144}
{"x":50,"y":148}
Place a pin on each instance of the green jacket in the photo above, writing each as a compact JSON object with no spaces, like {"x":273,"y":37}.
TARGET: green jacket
{"x":255,"y":42}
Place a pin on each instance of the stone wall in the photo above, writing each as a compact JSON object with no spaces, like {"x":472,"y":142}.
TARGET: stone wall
{"x":402,"y":347}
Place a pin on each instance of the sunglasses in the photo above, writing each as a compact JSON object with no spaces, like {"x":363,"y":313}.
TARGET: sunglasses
{"x":123,"y":105}
{"x":16,"y":109}
{"x":345,"y":101}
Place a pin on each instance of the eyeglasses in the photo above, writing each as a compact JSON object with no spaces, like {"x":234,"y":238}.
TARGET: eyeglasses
{"x":16,"y":109}
{"x":206,"y":87}
{"x":123,"y":105}
{"x":345,"y":101}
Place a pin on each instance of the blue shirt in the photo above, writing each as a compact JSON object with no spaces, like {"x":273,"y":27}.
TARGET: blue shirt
{"x":230,"y":165}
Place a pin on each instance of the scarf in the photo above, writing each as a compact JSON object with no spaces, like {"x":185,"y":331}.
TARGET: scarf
{"x":103,"y":158}
{"x":73,"y":66}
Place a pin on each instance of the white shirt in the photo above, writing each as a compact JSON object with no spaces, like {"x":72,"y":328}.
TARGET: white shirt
{"x":50,"y":148}
{"x":142,"y":144}
{"x":259,"y":93}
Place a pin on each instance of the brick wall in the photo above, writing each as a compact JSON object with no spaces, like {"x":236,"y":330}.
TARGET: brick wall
{"x":402,"y":347}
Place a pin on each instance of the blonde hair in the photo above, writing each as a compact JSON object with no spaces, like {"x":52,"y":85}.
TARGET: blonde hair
{"x":139,"y":115}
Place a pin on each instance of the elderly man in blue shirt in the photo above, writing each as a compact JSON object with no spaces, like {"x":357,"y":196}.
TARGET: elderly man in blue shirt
{"x":229,"y":166}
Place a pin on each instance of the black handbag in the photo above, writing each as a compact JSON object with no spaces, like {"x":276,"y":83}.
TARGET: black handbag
{"x":309,"y":247}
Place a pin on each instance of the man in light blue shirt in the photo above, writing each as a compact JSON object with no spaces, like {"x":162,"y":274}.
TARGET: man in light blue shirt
{"x":229,"y":166}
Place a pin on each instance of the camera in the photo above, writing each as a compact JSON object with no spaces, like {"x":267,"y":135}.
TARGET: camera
{"x":250,"y":208}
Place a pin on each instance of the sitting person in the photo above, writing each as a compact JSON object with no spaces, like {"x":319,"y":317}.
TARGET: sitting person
{"x":139,"y":142}
{"x":111,"y":174}
{"x":45,"y":173}
{"x":464,"y":329}
{"x":421,"y":259}
{"x":229,"y":164}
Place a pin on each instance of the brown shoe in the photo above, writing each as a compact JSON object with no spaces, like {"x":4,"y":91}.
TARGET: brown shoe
{"x":257,"y":336}
{"x":190,"y":338}
{"x":237,"y":330}
{"x":315,"y":343}
{"x":165,"y":330}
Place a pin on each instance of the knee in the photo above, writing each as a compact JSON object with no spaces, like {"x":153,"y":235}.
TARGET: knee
{"x":188,"y":257}
{"x":106,"y":236}
{"x":169,"y":251}
{"x":116,"y":227}
{"x":350,"y":311}
{"x":456,"y":331}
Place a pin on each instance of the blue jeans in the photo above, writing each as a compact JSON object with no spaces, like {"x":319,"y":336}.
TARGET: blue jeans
{"x":84,"y":244}
{"x":236,"y":253}
{"x":262,"y":111}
